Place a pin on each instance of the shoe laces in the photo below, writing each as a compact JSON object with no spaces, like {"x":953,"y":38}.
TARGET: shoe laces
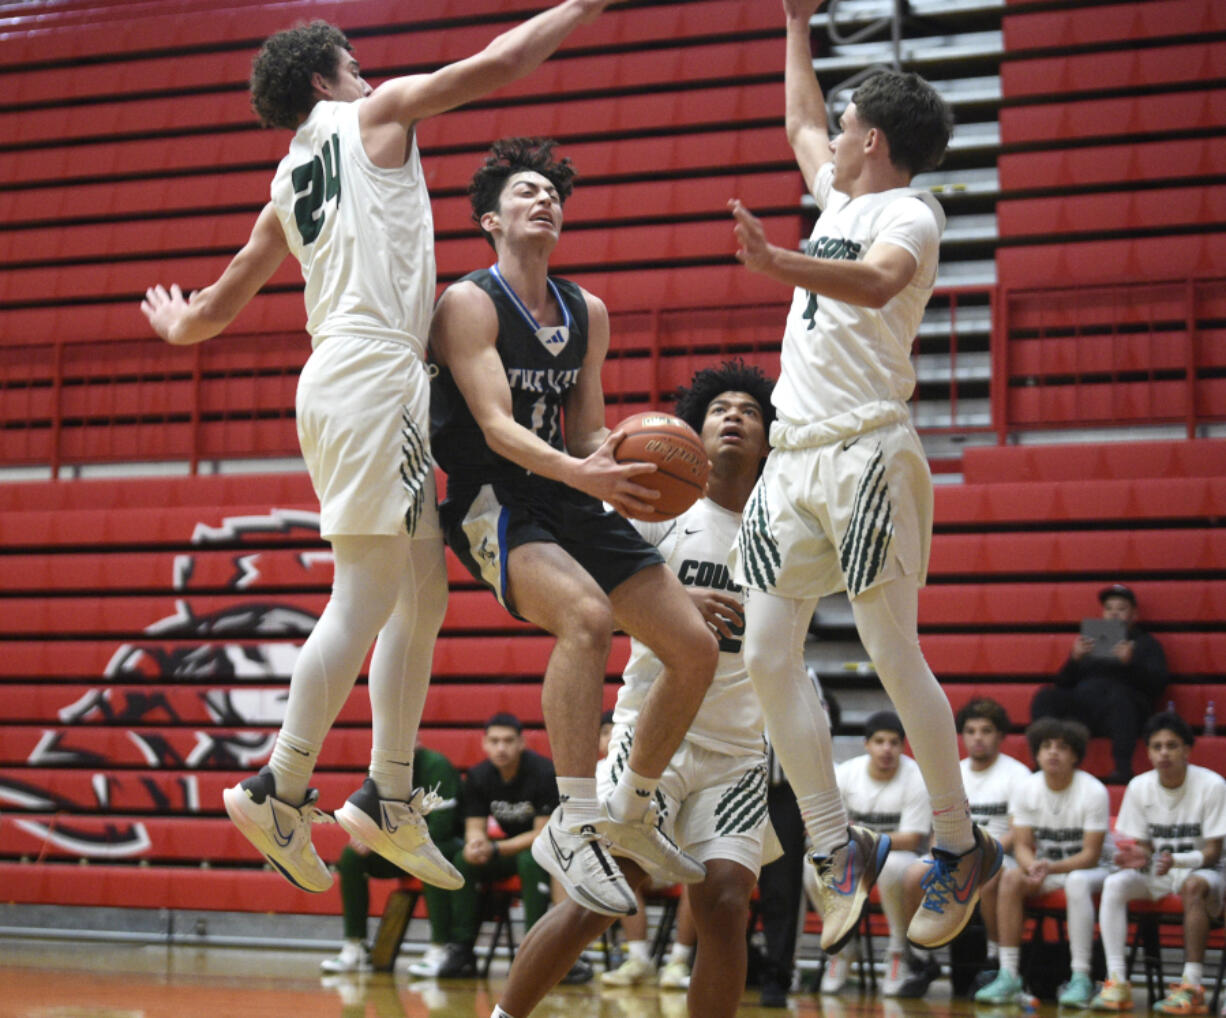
{"x":938,"y":881}
{"x":426,"y":800}
{"x":309,"y":813}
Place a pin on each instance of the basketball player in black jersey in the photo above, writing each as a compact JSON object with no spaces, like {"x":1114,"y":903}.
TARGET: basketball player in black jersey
{"x":518,"y":425}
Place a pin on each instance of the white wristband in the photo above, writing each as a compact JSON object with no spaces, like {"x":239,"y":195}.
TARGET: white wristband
{"x":1188,"y":860}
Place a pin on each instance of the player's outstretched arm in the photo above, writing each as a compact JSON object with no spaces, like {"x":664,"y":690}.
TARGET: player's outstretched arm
{"x":805,"y":117}
{"x":872,"y":283}
{"x":463,"y":337}
{"x":508,"y":57}
{"x":182,"y":322}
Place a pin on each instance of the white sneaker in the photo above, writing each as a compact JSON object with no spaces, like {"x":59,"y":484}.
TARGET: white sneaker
{"x":354,"y":957}
{"x":896,"y":973}
{"x":427,"y":966}
{"x":280,"y":832}
{"x":397,"y":831}
{"x":645,"y":842}
{"x":631,"y":972}
{"x":674,"y":976}
{"x":835,"y":976}
{"x":579,"y":860}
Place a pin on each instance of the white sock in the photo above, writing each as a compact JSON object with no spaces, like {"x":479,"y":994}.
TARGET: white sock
{"x":631,"y":795}
{"x":1010,"y":957}
{"x":993,"y":949}
{"x":639,"y":950}
{"x":579,"y":802}
{"x":498,"y":1012}
{"x":292,"y":764}
{"x":1193,"y":973}
{"x":951,"y":829}
{"x":683,"y":953}
{"x":392,"y":774}
{"x":825,"y":819}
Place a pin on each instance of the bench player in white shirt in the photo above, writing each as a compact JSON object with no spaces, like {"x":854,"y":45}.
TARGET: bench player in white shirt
{"x":713,"y":792}
{"x":845,"y":502}
{"x":1168,"y":841}
{"x":1060,"y":820}
{"x":883,"y":791}
{"x":349,"y":201}
{"x":990,"y":777}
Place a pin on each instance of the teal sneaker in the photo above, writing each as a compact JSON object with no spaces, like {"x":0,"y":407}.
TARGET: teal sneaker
{"x":1077,"y":992}
{"x":1004,"y":989}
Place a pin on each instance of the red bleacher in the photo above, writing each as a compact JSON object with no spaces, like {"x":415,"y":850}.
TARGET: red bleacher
{"x":136,"y":656}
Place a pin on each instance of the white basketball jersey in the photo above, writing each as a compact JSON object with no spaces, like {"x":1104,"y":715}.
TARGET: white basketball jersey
{"x":989,"y":792}
{"x":899,"y":804}
{"x":695,"y":546}
{"x":838,"y":357}
{"x":364,"y":234}
{"x":1174,"y":819}
{"x":1060,"y":820}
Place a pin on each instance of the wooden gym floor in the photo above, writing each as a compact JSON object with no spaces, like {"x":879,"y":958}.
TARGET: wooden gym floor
{"x":56,"y":979}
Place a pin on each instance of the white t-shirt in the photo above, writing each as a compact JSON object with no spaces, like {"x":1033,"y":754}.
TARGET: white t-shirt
{"x":990,"y":791}
{"x":1059,"y":820}
{"x":900,"y":804}
{"x":1175,"y":820}
{"x":364,"y":234}
{"x":839,"y":357}
{"x":695,"y":546}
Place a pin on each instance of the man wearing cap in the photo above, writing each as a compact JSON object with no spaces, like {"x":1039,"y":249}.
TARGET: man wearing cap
{"x":1111,"y":694}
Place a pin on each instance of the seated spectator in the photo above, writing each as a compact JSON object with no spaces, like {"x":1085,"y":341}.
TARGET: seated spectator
{"x":1111,"y":694}
{"x":1060,"y":819}
{"x":884,"y":791}
{"x":515,"y":788}
{"x":990,"y":777}
{"x":1168,"y":841}
{"x":357,"y":864}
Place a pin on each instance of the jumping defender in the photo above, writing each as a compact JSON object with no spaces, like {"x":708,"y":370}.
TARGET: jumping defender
{"x":845,"y":502}
{"x":349,"y":202}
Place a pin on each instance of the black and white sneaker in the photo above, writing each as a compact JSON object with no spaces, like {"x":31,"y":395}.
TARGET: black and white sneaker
{"x":579,"y":860}
{"x":280,"y":830}
{"x":397,"y":831}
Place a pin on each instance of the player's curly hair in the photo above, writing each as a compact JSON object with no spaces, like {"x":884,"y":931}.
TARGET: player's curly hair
{"x":509,"y":156}
{"x":281,"y":91}
{"x":983,"y":708}
{"x":1072,"y":733}
{"x":916,"y":121}
{"x":731,"y":376}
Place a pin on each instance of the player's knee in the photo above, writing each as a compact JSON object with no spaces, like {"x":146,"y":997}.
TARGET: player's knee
{"x":721,"y":904}
{"x":1013,"y":884}
{"x":1194,"y":891}
{"x":588,"y":622}
{"x":765,"y":657}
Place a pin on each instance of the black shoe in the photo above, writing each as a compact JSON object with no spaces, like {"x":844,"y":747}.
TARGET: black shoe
{"x":580,"y":972}
{"x":773,"y":995}
{"x":922,"y":975}
{"x":459,"y":963}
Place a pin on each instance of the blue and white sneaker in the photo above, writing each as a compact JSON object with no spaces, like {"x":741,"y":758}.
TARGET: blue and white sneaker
{"x":280,"y":831}
{"x":844,"y":879}
{"x":951,"y":891}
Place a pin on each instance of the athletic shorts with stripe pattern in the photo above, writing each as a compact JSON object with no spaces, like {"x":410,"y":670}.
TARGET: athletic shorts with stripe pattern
{"x":711,"y":804}
{"x":846,"y":515}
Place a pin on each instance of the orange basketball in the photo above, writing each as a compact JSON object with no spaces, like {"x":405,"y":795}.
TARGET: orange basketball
{"x":680,"y":459}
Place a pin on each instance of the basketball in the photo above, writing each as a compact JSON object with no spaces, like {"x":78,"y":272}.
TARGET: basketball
{"x":680,"y":459}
